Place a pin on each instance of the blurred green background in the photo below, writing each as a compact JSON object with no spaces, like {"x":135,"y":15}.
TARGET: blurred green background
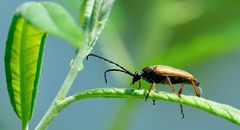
{"x":202,"y":37}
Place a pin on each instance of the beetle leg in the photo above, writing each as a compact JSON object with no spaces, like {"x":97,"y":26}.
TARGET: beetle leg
{"x":151,"y":87}
{"x":154,"y":102}
{"x":181,"y":107}
{"x":171,"y":85}
{"x":179,"y":93}
{"x":139,"y":84}
{"x":195,"y":89}
{"x":181,"y":89}
{"x":154,"y":88}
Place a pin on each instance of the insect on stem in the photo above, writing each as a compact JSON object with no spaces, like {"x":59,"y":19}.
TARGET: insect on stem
{"x":157,"y":74}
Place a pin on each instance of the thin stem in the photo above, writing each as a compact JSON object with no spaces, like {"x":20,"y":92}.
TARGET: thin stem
{"x":76,"y":66}
{"x":225,"y":111}
{"x":103,"y":9}
{"x":24,"y":126}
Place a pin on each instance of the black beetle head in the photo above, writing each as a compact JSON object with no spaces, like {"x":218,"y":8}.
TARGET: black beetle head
{"x":137,"y":76}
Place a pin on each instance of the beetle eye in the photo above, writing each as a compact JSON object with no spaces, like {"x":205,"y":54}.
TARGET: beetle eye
{"x":136,"y":77}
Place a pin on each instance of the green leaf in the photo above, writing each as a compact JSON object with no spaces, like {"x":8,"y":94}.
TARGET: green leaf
{"x":23,"y":57}
{"x":53,"y":19}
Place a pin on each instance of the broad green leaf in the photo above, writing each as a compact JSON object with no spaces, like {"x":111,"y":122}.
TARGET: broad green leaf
{"x":23,"y":57}
{"x":53,"y":19}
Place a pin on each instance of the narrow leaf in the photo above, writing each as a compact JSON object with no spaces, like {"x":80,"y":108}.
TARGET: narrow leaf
{"x":221,"y":110}
{"x":86,"y":12}
{"x":23,"y":57}
{"x":53,"y":19}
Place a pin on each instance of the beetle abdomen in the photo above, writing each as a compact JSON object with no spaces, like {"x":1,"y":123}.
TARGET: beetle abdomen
{"x":179,"y":80}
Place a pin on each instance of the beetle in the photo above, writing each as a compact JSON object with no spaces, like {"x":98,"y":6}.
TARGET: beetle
{"x":157,"y":74}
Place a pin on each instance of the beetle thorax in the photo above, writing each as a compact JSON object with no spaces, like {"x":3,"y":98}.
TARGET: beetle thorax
{"x":148,"y":74}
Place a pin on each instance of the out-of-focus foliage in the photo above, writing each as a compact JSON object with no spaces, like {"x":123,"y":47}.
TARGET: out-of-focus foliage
{"x":172,"y":32}
{"x":52,"y":18}
{"x":24,"y":50}
{"x":176,"y":33}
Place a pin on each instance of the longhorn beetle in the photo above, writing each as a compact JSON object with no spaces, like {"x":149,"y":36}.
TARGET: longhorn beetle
{"x":159,"y":74}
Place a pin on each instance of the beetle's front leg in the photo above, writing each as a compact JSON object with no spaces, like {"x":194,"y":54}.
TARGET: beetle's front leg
{"x":154,"y":89}
{"x":139,"y":84}
{"x":151,"y":87}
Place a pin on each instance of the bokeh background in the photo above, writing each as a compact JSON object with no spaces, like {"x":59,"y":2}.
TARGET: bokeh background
{"x":202,"y":37}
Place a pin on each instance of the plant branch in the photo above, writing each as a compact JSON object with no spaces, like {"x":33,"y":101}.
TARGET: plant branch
{"x":225,"y":111}
{"x":102,"y":9}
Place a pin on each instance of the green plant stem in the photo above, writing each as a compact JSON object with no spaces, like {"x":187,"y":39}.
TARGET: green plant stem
{"x":24,"y":126}
{"x":76,"y":65}
{"x":225,"y":111}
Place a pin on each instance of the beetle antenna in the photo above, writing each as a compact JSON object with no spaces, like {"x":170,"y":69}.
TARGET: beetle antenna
{"x":105,"y":73}
{"x":125,"y":70}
